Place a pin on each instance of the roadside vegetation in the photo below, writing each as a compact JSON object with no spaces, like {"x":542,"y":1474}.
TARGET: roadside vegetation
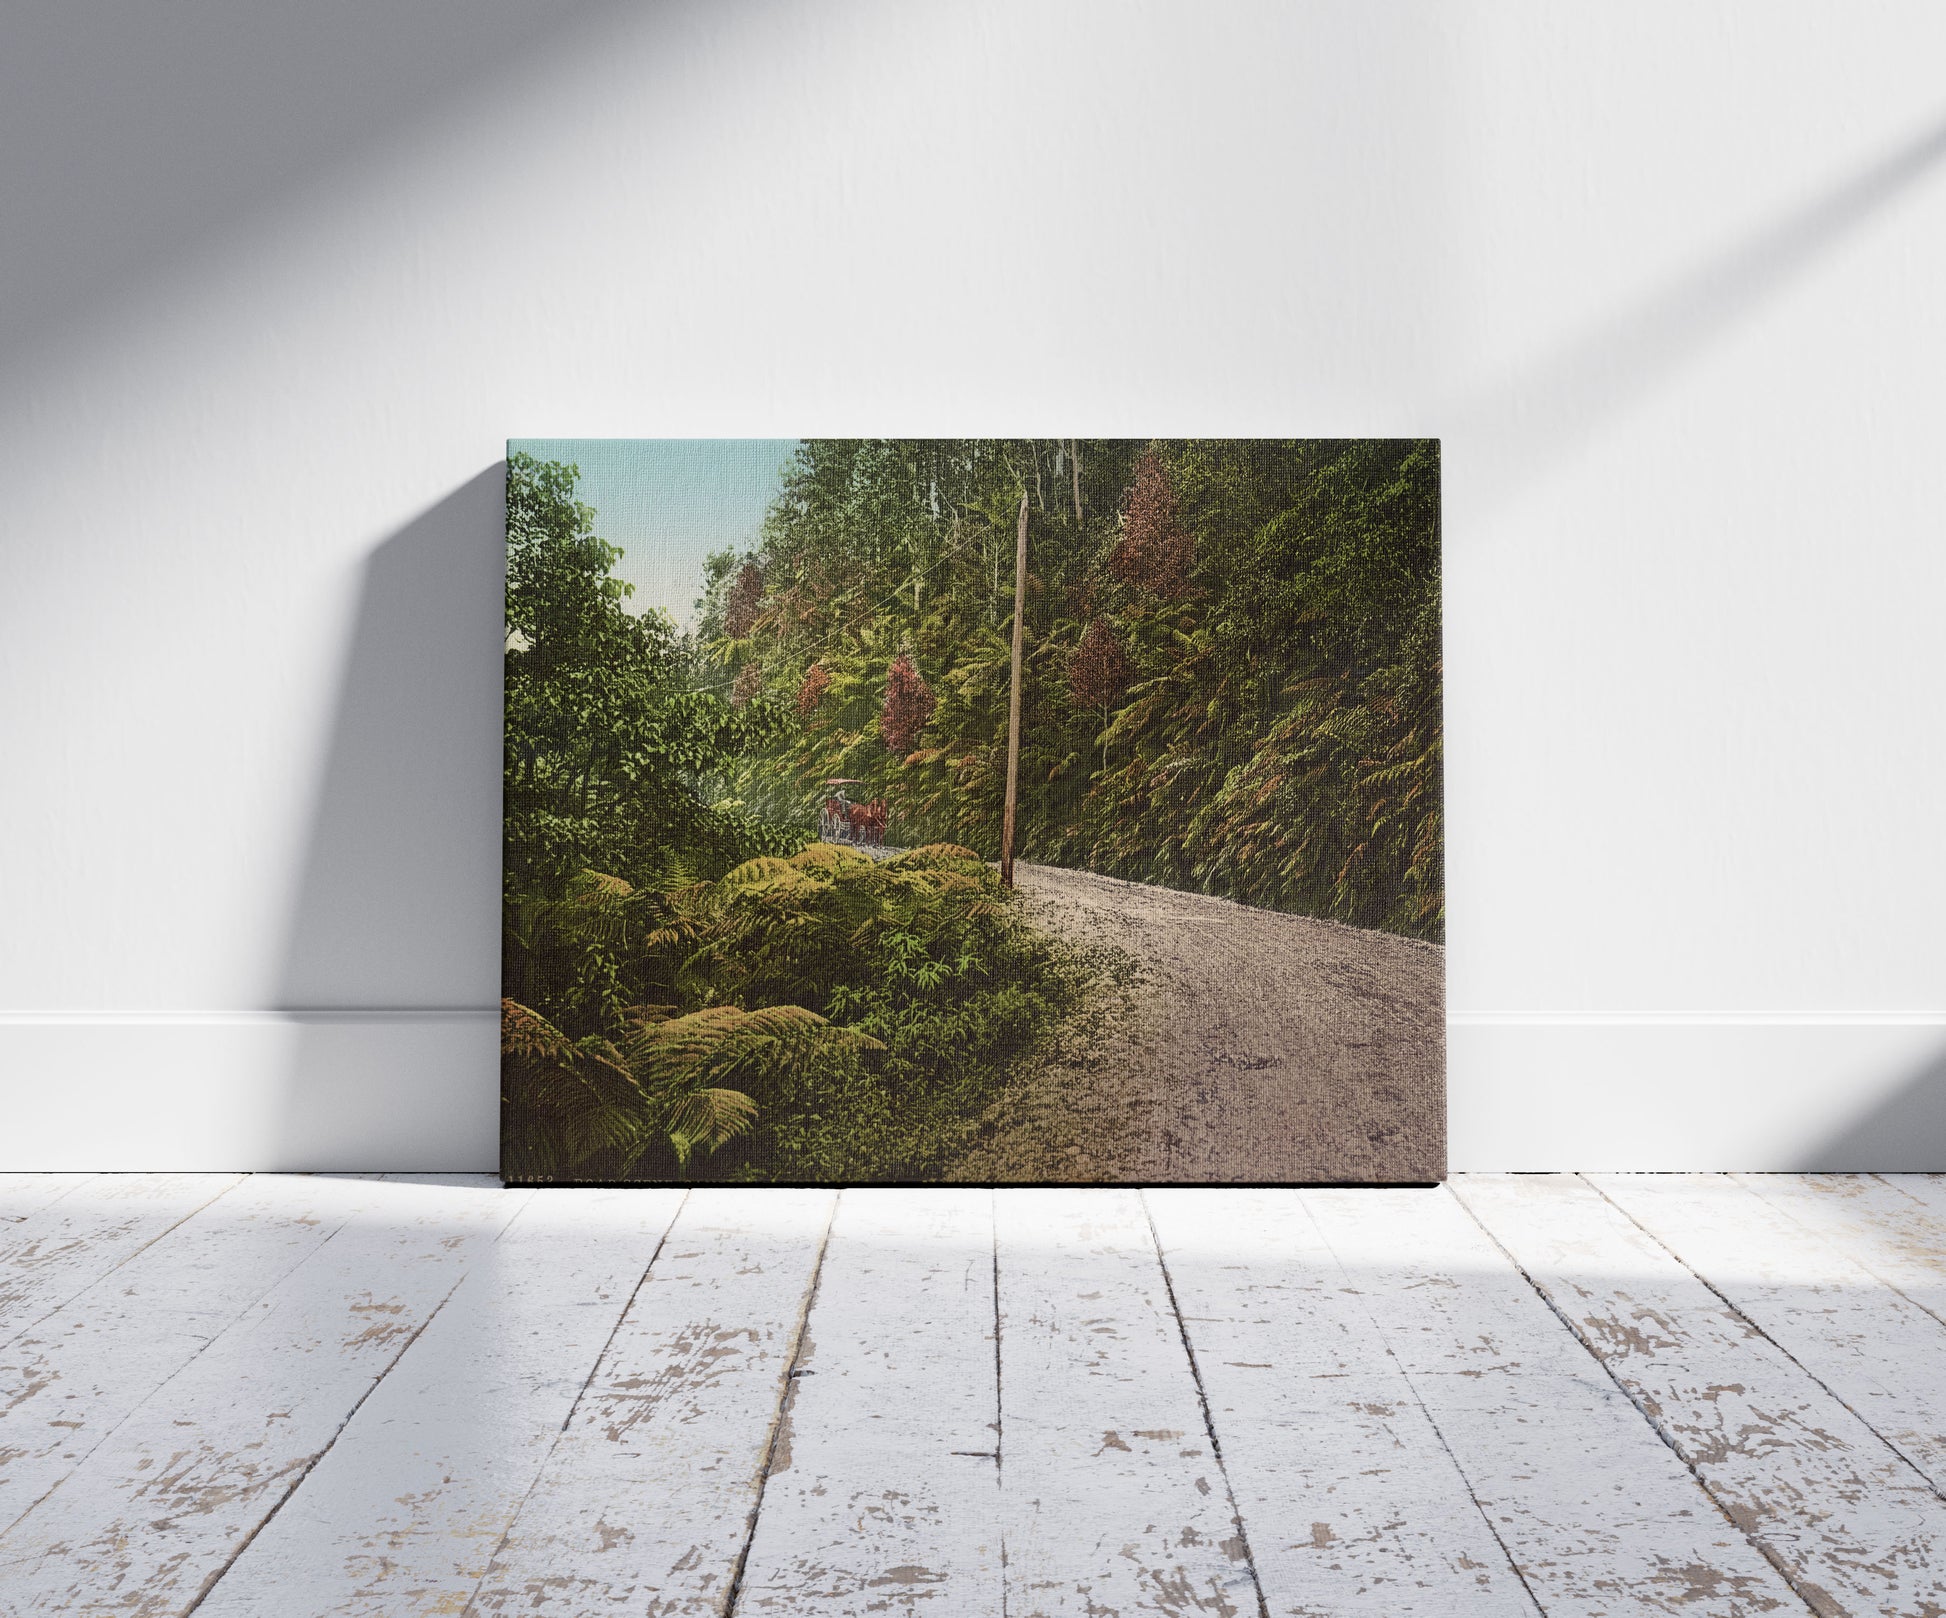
{"x":1232,"y":657}
{"x":1232,"y":686}
{"x":696,"y":991}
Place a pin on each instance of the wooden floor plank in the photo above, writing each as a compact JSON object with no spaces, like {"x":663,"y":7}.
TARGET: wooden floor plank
{"x":62,"y":1248}
{"x":1929,"y":1189}
{"x":23,"y":1194}
{"x":1856,"y":1528}
{"x":403,"y":1514}
{"x":1112,"y":1497}
{"x":1893,"y":1224}
{"x":325,"y":1396}
{"x":1351,"y":1502}
{"x":1878,"y":1352}
{"x":1599,"y":1516}
{"x":154,"y":1514}
{"x":77,"y":1374}
{"x":883,"y":1495}
{"x":645,"y":1503}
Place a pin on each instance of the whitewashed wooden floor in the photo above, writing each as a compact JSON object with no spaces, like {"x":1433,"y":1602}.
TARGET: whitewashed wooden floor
{"x":289,"y":1395}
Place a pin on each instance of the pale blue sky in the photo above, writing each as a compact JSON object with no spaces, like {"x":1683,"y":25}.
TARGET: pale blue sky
{"x":669,"y":502}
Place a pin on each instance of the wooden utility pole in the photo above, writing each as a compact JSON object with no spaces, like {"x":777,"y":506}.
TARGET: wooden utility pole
{"x":1013,"y":703}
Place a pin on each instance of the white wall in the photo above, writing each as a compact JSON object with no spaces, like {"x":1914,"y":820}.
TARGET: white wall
{"x":279,"y":281}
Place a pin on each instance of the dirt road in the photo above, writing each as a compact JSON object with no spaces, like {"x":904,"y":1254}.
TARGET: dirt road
{"x":1237,"y":1045}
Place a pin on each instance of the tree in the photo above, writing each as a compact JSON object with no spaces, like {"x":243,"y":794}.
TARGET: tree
{"x":817,"y":681}
{"x":909,"y":704}
{"x":611,"y":751}
{"x":1098,"y":674}
{"x":746,"y":596}
{"x":1274,"y":731}
{"x":691,"y":991}
{"x":1156,"y":551}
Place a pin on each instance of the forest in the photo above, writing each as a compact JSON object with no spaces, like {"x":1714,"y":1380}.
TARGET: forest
{"x":1231,"y":655}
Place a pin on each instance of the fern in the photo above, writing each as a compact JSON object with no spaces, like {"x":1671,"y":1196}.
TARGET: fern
{"x":580,"y":1107}
{"x":595,"y":1109}
{"x":595,"y":909}
{"x":528,"y":1035}
{"x":709,"y":1119}
{"x":721,"y":1042}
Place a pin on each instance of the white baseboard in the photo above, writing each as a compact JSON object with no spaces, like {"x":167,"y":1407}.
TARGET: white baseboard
{"x":418,"y":1090}
{"x":250,"y":1090}
{"x":1758,"y":1093}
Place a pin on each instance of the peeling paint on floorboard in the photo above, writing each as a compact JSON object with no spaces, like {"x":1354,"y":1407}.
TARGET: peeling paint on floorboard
{"x":1847,"y":1518}
{"x":71,"y":1379}
{"x":1599,"y":1515}
{"x":885,"y":1494}
{"x":157,"y":1511}
{"x":1113,"y":1499}
{"x":1352,"y":1503}
{"x":403,"y":1515}
{"x":63,"y":1247}
{"x":645,"y":1503}
{"x":1719,"y":1396}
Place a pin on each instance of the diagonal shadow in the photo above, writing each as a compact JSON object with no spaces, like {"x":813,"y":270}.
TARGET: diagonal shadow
{"x":1906,"y":1134}
{"x":135,"y":133}
{"x":392,"y":957}
{"x":1544,"y":413}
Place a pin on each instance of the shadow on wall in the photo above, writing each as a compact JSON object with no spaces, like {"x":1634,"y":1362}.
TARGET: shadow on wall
{"x":155,"y":131}
{"x":392,"y":961}
{"x":1905,"y":1133}
{"x":1549,"y":409}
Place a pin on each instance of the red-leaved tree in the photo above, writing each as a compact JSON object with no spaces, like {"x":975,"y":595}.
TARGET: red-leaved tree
{"x":740,"y":610}
{"x":1099,"y":670}
{"x":908,"y":705}
{"x":817,"y":681}
{"x":1155,"y":551}
{"x":749,"y":681}
{"x":1098,"y":673}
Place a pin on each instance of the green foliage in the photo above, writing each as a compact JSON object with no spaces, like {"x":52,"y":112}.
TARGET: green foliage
{"x":614,"y":758}
{"x":828,"y":1016}
{"x":689,"y":1061}
{"x":923,"y":956}
{"x":1231,"y":647}
{"x":597,"y":1109}
{"x":1232,"y":684}
{"x":590,"y":1108}
{"x":690,"y":990}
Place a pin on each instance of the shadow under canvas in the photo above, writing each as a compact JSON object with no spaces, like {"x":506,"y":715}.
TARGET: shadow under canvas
{"x":391,"y":963}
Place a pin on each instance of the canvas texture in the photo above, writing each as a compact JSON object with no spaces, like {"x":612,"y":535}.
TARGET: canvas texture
{"x":826,"y":865}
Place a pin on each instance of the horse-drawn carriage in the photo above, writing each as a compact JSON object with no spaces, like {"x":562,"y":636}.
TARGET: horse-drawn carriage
{"x":842,"y":821}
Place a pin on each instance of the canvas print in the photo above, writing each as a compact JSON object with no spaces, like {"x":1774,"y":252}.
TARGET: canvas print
{"x":989,"y":811}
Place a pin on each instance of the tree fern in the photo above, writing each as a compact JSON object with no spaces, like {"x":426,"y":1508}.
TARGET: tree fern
{"x":691,"y":1052}
{"x":592,"y":1109}
{"x":709,"y":1119}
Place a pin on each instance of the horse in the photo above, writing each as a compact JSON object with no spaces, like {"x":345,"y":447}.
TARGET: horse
{"x":867,"y":823}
